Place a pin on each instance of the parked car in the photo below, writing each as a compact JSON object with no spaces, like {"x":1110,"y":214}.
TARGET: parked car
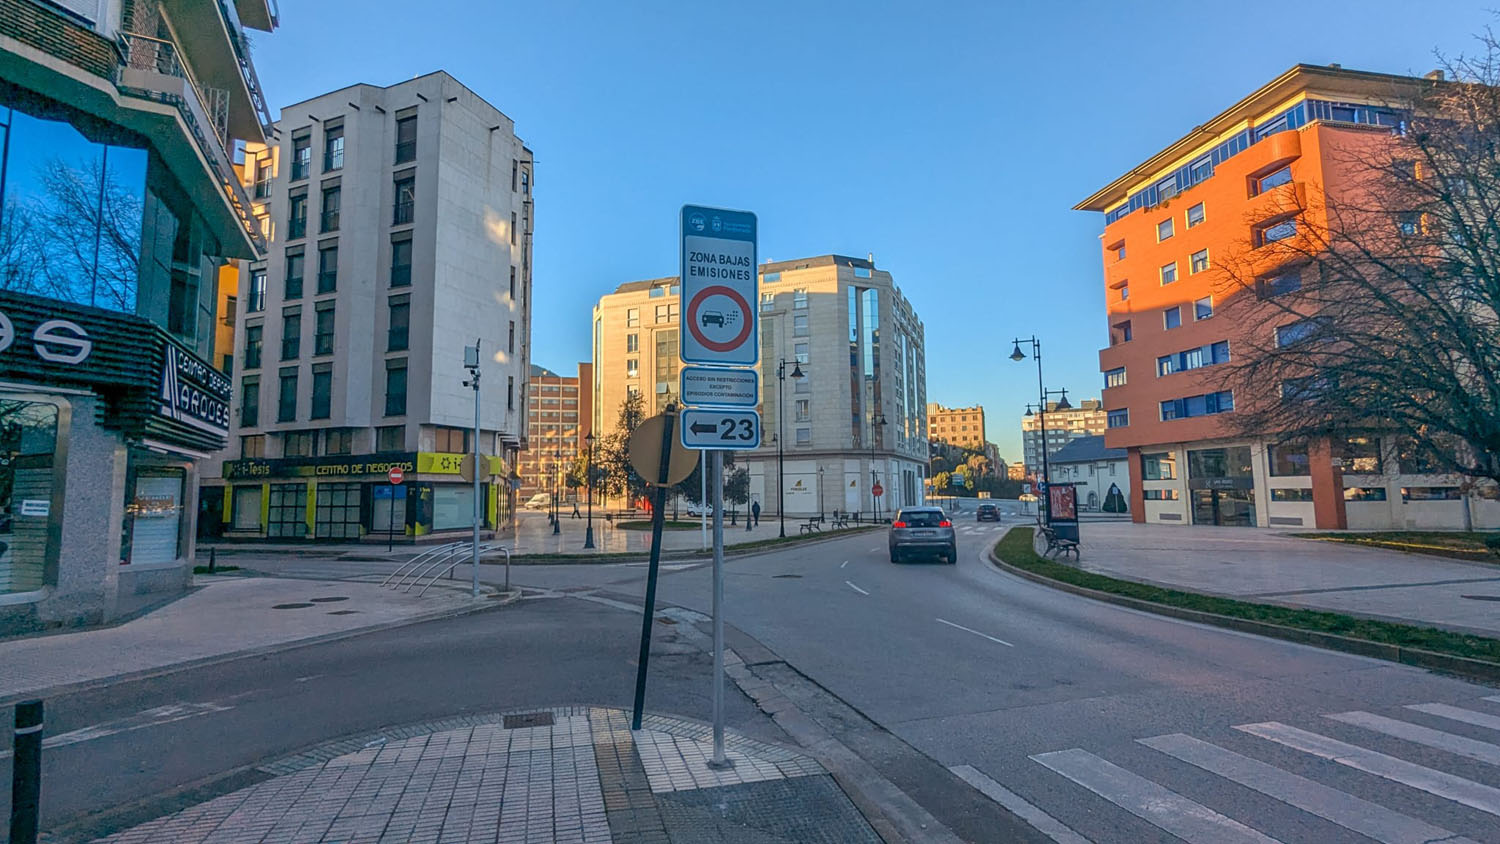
{"x":987,"y":513}
{"x":700,"y":509}
{"x":922,"y":531}
{"x":540,"y":501}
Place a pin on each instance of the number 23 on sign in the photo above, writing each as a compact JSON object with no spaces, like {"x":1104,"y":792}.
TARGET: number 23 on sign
{"x":726,"y":429}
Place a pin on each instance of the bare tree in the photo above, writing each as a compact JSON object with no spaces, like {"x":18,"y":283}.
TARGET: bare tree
{"x":1376,"y":299}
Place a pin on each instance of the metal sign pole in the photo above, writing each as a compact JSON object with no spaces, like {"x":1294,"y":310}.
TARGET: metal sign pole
{"x":658,"y":513}
{"x":718,"y":760}
{"x":703,"y":497}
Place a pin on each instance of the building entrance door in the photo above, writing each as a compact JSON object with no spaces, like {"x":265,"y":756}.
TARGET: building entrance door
{"x":1230,"y":507}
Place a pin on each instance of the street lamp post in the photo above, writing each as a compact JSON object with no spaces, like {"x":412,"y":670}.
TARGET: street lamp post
{"x":588,"y":533}
{"x":781,"y":439}
{"x":1042,"y":393}
{"x":557,"y":487}
{"x":874,"y":476}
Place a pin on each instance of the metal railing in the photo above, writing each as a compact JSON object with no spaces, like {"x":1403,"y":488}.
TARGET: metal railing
{"x":435,"y":569}
{"x":411,"y":564}
{"x":483,"y":549}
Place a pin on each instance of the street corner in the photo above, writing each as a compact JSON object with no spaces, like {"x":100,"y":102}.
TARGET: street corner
{"x":559,"y":774}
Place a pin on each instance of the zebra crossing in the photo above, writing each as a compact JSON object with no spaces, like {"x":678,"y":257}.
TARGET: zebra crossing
{"x":1197,"y":823}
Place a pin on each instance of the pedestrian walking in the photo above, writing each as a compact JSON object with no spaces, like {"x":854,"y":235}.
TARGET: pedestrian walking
{"x":755,"y":511}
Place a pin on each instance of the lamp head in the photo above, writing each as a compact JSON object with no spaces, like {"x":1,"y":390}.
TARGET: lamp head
{"x":1063,"y":404}
{"x":1016,"y":354}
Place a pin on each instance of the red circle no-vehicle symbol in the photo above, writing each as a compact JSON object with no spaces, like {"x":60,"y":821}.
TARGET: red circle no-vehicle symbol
{"x":396,"y":475}
{"x":695,"y":323}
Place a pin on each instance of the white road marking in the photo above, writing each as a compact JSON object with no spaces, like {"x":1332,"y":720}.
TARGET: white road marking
{"x":975,"y":632}
{"x":855,"y":588}
{"x":1461,"y":745}
{"x":1445,"y":785}
{"x":153,"y":717}
{"x":1041,"y":821}
{"x":1493,"y":698}
{"x":1158,"y":806}
{"x":1346,"y":810}
{"x":844,"y":563}
{"x":1454,"y":713}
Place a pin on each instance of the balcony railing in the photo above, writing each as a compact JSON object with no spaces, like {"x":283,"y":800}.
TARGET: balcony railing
{"x":242,"y":58}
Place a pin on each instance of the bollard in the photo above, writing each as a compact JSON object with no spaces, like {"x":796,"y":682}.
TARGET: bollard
{"x":26,"y":773}
{"x":213,"y":559}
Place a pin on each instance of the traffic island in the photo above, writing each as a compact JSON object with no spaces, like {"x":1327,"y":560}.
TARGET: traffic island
{"x":1473,"y":657}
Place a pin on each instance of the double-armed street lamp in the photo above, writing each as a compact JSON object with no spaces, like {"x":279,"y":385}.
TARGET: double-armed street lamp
{"x":1041,"y":407}
{"x":781,"y":374}
{"x":588,"y":533}
{"x":877,"y":420}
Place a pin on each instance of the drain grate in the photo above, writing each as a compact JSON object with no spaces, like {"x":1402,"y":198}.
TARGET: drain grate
{"x":345,"y":612}
{"x":1482,"y":597}
{"x":290,"y":606}
{"x":785,"y":576}
{"x":327,"y":600}
{"x":528,"y":719}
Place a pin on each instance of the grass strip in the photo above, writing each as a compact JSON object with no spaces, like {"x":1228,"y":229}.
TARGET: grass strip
{"x":1460,"y":546}
{"x":1016,"y":549}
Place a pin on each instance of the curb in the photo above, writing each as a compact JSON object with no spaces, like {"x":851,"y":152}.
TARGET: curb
{"x":265,"y":650}
{"x":1475,"y":669}
{"x":677,"y":555}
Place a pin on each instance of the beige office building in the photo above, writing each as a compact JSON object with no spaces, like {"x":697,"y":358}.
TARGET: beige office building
{"x":960,"y":426}
{"x":557,"y":421}
{"x":858,"y":417}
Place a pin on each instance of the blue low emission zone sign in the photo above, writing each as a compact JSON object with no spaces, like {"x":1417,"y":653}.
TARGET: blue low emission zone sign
{"x":720,"y":287}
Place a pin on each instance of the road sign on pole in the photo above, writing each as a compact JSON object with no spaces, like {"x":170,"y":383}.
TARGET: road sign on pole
{"x":717,"y":386}
{"x":720,"y":287}
{"x":396,"y":475}
{"x":730,"y":429}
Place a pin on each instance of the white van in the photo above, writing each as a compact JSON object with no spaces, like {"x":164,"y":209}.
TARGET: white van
{"x":540,"y":501}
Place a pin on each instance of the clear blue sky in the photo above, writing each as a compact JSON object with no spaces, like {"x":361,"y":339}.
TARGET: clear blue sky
{"x":949,"y":139}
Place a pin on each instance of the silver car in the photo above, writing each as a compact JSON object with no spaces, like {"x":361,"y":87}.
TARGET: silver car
{"x":922,"y":531}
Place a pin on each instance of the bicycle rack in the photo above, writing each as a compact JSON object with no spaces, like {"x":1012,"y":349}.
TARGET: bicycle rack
{"x":411,"y":564}
{"x":483,"y":549}
{"x":436,"y":569}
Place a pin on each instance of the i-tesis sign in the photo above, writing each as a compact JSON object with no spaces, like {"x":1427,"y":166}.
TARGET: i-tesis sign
{"x":194,"y":392}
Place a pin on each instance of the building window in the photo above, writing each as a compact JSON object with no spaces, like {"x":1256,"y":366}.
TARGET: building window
{"x":450,"y":440}
{"x":1172,"y":317}
{"x":249,"y":402}
{"x":257,"y":298}
{"x":513,"y":284}
{"x":401,"y":263}
{"x":252,"y":446}
{"x":1362,"y":456}
{"x":861,"y":272}
{"x":1300,"y":331}
{"x":1119,"y":250}
{"x":1195,"y":215}
{"x":1161,"y":466}
{"x":666,"y":313}
{"x":1124,"y":291}
{"x":632,"y":368}
{"x":1409,"y":222}
{"x":1118,"y":418}
{"x":1287,"y":281}
{"x":510,"y":343}
{"x":513,"y":228}
{"x":632,"y":317}
{"x":1291,"y":494}
{"x":296,"y":225}
{"x":1373,"y":493}
{"x":1191,"y":406}
{"x":291,"y":334}
{"x":1121,"y":333}
{"x":294,"y":271}
{"x":1413,"y":459}
{"x":1160,"y":494}
{"x":1169,"y":273}
{"x":1164,"y":230}
{"x":799,"y":325}
{"x":1198,"y":261}
{"x":299,"y":444}
{"x":399,"y":334}
{"x":1273,"y":179}
{"x":1288,"y":459}
{"x":286,"y":400}
{"x":800,"y":354}
{"x":333,"y":148}
{"x":263,"y":170}
{"x":406,"y":199}
{"x":1275,"y":231}
{"x":1193,"y":358}
{"x":804,"y":436}
{"x":328,"y":269}
{"x":804,"y":409}
{"x":767,"y":301}
{"x":406,"y":139}
{"x":395,"y":387}
{"x":338,"y":441}
{"x":632,"y":343}
{"x":510,"y":392}
{"x":323,"y":329}
{"x":1431,"y":493}
{"x":332,"y":198}
{"x":799,"y":297}
{"x":1115,"y":377}
{"x":286,"y":510}
{"x":301,"y":157}
{"x":1305,"y":388}
{"x":390,"y":438}
{"x":254,"y":343}
{"x":1203,"y":308}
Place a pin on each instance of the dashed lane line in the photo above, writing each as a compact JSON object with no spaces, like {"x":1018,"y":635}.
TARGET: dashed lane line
{"x":855,"y":588}
{"x":975,"y":632}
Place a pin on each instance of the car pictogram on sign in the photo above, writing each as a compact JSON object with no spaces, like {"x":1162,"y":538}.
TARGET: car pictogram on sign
{"x":712,"y":318}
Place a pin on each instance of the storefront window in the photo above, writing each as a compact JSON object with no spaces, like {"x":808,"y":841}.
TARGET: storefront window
{"x":151,"y":532}
{"x":1159,"y":467}
{"x":28,"y":440}
{"x":388,"y":509}
{"x":452,"y":507}
{"x":1288,"y":459}
{"x":287,"y":511}
{"x":247,"y":508}
{"x":1362,"y":455}
{"x":337,"y":515}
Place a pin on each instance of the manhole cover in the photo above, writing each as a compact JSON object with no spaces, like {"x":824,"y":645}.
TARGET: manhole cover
{"x":326,"y":600}
{"x":528,"y":719}
{"x":290,"y":606}
{"x":785,"y":576}
{"x":344,"y":612}
{"x":1483,"y":597}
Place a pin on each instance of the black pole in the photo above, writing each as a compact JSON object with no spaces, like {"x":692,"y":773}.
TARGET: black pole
{"x":1036,"y":351}
{"x":26,"y":773}
{"x":557,"y":491}
{"x":390,"y":533}
{"x":781,"y":448}
{"x":657,"y":515}
{"x":588,"y":534}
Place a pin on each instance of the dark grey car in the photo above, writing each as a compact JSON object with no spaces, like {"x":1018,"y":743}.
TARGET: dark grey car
{"x":922,"y":531}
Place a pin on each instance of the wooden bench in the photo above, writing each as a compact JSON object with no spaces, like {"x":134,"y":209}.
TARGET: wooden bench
{"x":623,"y":515}
{"x":811,"y":526}
{"x":1058,"y":544}
{"x":840,"y":521}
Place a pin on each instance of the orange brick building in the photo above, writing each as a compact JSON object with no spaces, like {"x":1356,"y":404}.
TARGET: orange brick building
{"x":1232,"y":184}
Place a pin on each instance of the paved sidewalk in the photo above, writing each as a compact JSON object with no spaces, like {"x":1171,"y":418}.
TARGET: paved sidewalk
{"x":1277,"y":568}
{"x":566,"y":774}
{"x":534,"y":534}
{"x":227,"y":615}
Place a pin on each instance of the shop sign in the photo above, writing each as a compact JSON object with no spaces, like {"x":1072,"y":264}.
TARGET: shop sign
{"x":194,"y":392}
{"x":358,"y":465}
{"x":444,"y":463}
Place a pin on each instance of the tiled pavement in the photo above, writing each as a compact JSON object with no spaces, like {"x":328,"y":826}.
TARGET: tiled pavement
{"x":567,"y":774}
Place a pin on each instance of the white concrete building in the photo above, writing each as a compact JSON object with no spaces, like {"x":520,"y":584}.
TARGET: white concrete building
{"x":400,"y":220}
{"x":1101,"y":475}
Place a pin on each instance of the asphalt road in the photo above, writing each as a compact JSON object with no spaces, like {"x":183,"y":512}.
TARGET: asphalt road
{"x":1050,"y":695}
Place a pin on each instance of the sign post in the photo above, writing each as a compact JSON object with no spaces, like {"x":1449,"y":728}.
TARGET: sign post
{"x":720,"y":320}
{"x":396,"y":475}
